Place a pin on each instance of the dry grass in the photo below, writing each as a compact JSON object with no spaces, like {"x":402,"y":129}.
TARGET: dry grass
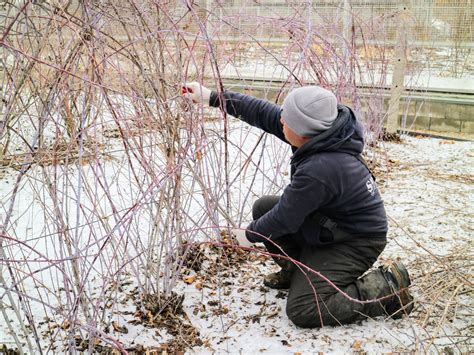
{"x":444,"y":291}
{"x":58,"y":154}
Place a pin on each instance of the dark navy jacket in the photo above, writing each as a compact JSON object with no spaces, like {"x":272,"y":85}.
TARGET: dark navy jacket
{"x":326,"y":177}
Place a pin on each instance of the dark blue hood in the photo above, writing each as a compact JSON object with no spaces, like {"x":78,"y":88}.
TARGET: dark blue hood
{"x":346,"y":135}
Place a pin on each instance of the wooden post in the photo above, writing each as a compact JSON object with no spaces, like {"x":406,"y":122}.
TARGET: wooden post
{"x":399,"y":66}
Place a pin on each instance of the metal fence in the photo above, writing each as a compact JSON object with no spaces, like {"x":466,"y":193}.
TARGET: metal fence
{"x":430,"y":22}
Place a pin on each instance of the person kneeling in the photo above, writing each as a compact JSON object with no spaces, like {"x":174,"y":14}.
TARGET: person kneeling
{"x":331,"y":216}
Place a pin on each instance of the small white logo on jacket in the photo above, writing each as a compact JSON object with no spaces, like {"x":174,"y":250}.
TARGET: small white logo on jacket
{"x":371,"y":186}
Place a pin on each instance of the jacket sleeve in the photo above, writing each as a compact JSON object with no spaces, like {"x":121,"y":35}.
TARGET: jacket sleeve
{"x":302,"y":197}
{"x":256,"y":112}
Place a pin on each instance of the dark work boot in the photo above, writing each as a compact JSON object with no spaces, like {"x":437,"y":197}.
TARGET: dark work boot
{"x":282,"y":279}
{"x":398,"y":279}
{"x":278,"y":280}
{"x":390,"y":279}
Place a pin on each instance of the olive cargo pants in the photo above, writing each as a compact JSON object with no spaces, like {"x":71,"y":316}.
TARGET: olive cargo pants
{"x":317,"y":303}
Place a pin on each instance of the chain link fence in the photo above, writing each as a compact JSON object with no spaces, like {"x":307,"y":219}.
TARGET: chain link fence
{"x":431,"y":22}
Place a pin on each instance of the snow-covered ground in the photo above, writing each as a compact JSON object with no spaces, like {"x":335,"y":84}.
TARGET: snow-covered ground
{"x":428,"y":192}
{"x":427,"y":185}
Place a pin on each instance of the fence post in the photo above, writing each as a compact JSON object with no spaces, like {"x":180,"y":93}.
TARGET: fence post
{"x":346,"y":26}
{"x":399,"y":66}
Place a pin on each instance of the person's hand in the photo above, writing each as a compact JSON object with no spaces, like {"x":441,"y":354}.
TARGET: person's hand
{"x":196,"y":92}
{"x":241,"y":238}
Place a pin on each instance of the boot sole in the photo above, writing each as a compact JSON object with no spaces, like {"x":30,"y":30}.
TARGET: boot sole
{"x":401,"y":274}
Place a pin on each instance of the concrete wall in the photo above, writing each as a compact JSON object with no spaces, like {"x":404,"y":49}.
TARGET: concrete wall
{"x":438,"y":115}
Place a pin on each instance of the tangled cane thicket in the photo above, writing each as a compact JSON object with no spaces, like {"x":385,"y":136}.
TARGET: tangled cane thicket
{"x":112,"y":173}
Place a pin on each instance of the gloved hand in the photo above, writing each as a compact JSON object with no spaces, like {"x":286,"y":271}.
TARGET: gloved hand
{"x":241,"y":238}
{"x":196,"y":92}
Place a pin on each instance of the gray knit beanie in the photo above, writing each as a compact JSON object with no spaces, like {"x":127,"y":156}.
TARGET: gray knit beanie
{"x":309,"y":110}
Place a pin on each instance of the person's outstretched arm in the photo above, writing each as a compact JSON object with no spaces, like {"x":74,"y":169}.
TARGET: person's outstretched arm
{"x":256,"y":112}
